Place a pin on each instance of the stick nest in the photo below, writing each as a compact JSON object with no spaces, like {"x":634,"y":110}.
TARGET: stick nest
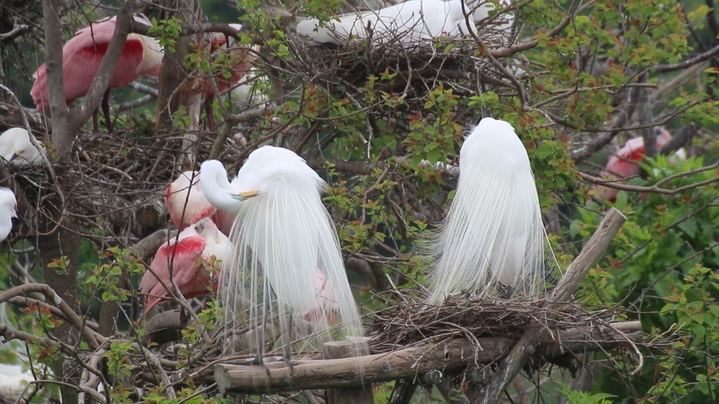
{"x":413,"y":322}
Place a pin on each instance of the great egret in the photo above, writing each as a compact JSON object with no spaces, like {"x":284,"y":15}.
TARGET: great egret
{"x":408,"y":23}
{"x":185,"y":260}
{"x":187,"y":204}
{"x":8,"y":211}
{"x":282,"y":237}
{"x":493,"y":241}
{"x":17,"y":149}
{"x":141,"y":56}
{"x":624,"y":164}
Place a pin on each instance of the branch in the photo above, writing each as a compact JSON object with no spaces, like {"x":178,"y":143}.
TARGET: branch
{"x":405,"y":363}
{"x":687,"y":63}
{"x":17,"y":30}
{"x":577,"y":270}
{"x":656,"y":188}
{"x":82,"y":112}
{"x":93,"y":338}
{"x":618,"y":121}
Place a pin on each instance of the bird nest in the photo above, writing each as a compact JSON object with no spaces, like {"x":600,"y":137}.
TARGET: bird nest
{"x":408,"y":69}
{"x":112,"y":181}
{"x":413,"y":322}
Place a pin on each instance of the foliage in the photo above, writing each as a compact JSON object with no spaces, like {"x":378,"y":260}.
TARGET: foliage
{"x":384,"y":127}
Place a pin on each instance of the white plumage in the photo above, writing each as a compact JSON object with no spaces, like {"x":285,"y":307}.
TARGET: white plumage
{"x":17,"y":149}
{"x":408,"y":23}
{"x":494,"y":238}
{"x":8,"y":211}
{"x":281,"y":237}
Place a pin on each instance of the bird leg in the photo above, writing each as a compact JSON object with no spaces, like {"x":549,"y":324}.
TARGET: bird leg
{"x":209,"y":112}
{"x":105,"y":105}
{"x":261,"y":332}
{"x":287,"y":356}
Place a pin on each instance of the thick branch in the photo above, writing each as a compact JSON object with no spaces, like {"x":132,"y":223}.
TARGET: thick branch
{"x":405,"y":363}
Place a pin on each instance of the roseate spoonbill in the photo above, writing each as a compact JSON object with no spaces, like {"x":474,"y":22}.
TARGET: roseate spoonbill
{"x":281,"y":237}
{"x":17,"y":149}
{"x":187,"y":204}
{"x":624,"y":164}
{"x":493,"y":240}
{"x":82,"y":54}
{"x":185,"y":260}
{"x":8,"y":211}
{"x":234,"y":62}
{"x":408,"y":23}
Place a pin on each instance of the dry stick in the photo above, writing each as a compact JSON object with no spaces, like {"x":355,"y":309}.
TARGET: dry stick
{"x":577,"y":270}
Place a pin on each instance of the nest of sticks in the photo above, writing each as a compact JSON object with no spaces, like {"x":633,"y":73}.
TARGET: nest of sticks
{"x":413,"y":322}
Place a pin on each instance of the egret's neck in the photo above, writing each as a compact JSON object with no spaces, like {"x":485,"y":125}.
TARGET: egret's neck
{"x":218,"y":191}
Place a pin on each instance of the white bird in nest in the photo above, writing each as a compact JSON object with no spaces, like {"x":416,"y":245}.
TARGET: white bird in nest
{"x":408,"y":23}
{"x":17,"y":149}
{"x":8,"y":211}
{"x":493,"y":241}
{"x":282,"y":237}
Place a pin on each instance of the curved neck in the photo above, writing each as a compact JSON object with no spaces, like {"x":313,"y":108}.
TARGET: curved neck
{"x":217,"y":188}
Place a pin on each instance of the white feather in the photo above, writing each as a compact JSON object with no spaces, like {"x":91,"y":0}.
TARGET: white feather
{"x":493,"y":234}
{"x":409,"y":23}
{"x":8,"y":211}
{"x":17,"y":148}
{"x":281,"y":238}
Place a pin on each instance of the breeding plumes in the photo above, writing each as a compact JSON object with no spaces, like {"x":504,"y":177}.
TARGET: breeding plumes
{"x":493,"y":241}
{"x":407,"y":23}
{"x":624,"y":164}
{"x":186,"y":260}
{"x":82,"y":54}
{"x":8,"y":211}
{"x":187,"y":204}
{"x":282,"y":237}
{"x":17,"y":149}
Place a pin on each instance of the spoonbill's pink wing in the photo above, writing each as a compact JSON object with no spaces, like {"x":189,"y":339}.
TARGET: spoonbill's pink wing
{"x":190,"y":275}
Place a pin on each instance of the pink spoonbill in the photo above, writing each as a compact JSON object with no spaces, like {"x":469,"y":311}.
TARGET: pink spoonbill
{"x":186,"y":260}
{"x":624,"y":164}
{"x":82,"y":54}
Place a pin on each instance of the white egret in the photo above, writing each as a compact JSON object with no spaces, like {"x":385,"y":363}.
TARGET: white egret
{"x":17,"y":149}
{"x":8,"y":211}
{"x":408,"y":23}
{"x":282,"y":236}
{"x":494,"y":240}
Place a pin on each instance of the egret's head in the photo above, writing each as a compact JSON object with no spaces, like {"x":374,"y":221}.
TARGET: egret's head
{"x":269,"y":169}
